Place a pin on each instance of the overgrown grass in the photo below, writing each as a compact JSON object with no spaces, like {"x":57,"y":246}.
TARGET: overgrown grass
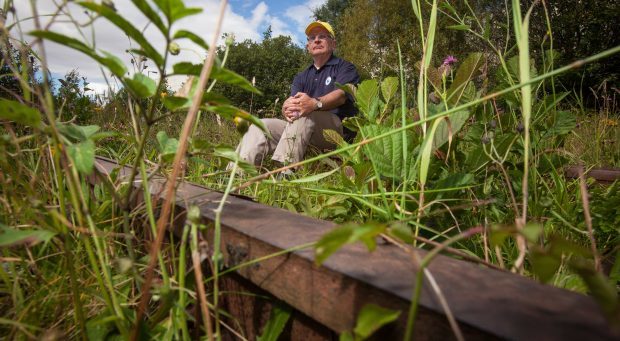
{"x":450,"y":154}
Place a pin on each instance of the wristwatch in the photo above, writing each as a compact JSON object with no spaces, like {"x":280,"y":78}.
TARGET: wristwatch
{"x":319,"y":104}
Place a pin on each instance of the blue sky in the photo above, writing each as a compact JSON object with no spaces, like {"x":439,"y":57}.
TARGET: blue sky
{"x":245,"y":19}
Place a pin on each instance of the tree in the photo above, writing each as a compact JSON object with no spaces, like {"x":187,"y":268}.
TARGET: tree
{"x":272,"y":64}
{"x":15,"y":64}
{"x":369,"y":32}
{"x":71,"y":99}
{"x":331,"y":11}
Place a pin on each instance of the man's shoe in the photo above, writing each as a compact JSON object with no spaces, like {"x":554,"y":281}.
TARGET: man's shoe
{"x":285,"y":175}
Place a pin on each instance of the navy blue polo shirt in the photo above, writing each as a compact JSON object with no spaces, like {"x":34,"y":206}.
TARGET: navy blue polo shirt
{"x":316,"y":83}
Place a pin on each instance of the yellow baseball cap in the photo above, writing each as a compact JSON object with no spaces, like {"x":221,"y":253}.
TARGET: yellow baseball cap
{"x":323,"y":24}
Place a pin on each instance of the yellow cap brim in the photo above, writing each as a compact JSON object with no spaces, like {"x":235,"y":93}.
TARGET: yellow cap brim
{"x":322,"y":24}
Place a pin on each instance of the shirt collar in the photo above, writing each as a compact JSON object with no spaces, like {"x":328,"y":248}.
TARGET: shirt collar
{"x":333,"y":60}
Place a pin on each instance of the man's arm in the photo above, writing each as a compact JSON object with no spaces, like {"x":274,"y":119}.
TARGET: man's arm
{"x":305,"y":104}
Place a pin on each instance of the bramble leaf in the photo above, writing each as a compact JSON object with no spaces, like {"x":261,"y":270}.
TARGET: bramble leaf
{"x":367,"y":98}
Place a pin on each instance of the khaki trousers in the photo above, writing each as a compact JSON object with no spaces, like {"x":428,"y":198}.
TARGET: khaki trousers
{"x":289,"y":140}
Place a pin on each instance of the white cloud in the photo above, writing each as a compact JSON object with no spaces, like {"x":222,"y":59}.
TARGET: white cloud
{"x":302,"y":14}
{"x":108,"y":38}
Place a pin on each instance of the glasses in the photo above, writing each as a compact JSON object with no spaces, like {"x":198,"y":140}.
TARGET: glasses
{"x":319,"y":37}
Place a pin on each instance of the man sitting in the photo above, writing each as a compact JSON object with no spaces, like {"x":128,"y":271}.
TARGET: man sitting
{"x":315,"y":104}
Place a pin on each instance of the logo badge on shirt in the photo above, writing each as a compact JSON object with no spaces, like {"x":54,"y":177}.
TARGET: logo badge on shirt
{"x":328,"y":80}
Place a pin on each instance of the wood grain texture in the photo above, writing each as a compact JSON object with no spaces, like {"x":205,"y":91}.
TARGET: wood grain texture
{"x":487,"y":303}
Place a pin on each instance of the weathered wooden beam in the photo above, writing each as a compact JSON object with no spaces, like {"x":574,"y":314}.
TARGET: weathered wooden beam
{"x":486,"y":303}
{"x":602,"y":175}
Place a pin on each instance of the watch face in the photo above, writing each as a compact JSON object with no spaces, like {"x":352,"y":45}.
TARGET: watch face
{"x":319,"y":104}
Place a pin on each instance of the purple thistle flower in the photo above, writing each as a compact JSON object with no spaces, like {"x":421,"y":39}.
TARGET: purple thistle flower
{"x":450,"y":60}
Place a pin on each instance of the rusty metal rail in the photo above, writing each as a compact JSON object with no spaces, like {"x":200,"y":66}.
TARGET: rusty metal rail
{"x":486,"y":303}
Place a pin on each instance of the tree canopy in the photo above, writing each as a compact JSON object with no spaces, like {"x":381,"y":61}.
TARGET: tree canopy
{"x":272,"y":64}
{"x":368,"y":32}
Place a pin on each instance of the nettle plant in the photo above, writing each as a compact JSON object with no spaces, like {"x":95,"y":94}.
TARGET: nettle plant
{"x":465,"y":156}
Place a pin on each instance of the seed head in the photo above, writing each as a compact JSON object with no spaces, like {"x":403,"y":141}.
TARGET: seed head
{"x":174,"y":48}
{"x":520,"y":127}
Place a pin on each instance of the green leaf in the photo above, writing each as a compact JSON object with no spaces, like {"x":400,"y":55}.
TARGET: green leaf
{"x":76,"y":133}
{"x":346,"y":336}
{"x":464,"y":74}
{"x":559,"y":246}
{"x":389,"y":86}
{"x":217,"y":73}
{"x":498,"y":235}
{"x":230,"y":154}
{"x":175,"y":9}
{"x":532,"y":231}
{"x":230,"y":77}
{"x":173,"y":103}
{"x":347,"y":234}
{"x":181,"y":34}
{"x":83,"y":156}
{"x":487,"y":29}
{"x":185,"y":12}
{"x":459,"y":27}
{"x":314,"y":177}
{"x":278,"y":318}
{"x":452,"y":182}
{"x":19,"y":113}
{"x":434,"y":77}
{"x":167,"y":146}
{"x":430,"y":36}
{"x":402,"y":232}
{"x":141,"y":85}
{"x":426,"y":151}
{"x":111,"y":62}
{"x":367,"y":98}
{"x":104,"y":135}
{"x":128,"y":28}
{"x":565,"y":122}
{"x":100,"y":328}
{"x":10,"y":236}
{"x":547,"y":105}
{"x":186,"y":68}
{"x":229,"y":112}
{"x":476,"y":158}
{"x":151,"y":14}
{"x":448,"y":6}
{"x":446,"y":131}
{"x":544,"y":265}
{"x":371,"y":318}
{"x":386,"y":153}
{"x":184,"y":101}
{"x":599,"y":286}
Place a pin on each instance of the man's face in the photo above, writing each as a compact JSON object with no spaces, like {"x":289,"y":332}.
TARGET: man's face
{"x":320,"y":42}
